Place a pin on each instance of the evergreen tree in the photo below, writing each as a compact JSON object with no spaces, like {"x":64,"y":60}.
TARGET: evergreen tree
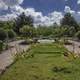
{"x":22,"y":20}
{"x":69,"y":21}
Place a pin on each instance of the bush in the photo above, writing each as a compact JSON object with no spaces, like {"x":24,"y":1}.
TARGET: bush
{"x":28,"y":41}
{"x":1,"y":46}
{"x":62,"y":69}
{"x":28,"y":31}
{"x":11,"y":34}
{"x":66,"y":42}
{"x":77,"y":35}
{"x":3,"y":34}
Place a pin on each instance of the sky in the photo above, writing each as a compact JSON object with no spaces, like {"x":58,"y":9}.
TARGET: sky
{"x":44,"y":12}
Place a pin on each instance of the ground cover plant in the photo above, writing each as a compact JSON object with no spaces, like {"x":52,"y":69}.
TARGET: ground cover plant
{"x":45,"y":62}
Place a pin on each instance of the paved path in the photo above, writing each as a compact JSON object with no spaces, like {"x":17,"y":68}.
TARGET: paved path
{"x":6,"y":58}
{"x":74,"y":48}
{"x":46,"y":41}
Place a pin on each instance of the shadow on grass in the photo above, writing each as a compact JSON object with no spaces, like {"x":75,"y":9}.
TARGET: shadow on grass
{"x":64,"y":70}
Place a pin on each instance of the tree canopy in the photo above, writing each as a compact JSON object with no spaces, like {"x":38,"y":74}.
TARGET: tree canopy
{"x":22,"y":20}
{"x":70,"y":21}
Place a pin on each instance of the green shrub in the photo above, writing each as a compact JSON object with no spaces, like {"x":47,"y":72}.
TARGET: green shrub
{"x":3,"y":34}
{"x":77,"y":35}
{"x":11,"y":34}
{"x":62,"y":69}
{"x":66,"y":42}
{"x":1,"y":46}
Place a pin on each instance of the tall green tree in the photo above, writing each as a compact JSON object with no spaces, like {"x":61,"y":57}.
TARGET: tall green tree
{"x":28,"y":32}
{"x":70,"y":21}
{"x":22,"y":20}
{"x":3,"y":34}
{"x":77,"y":35}
{"x":6,"y":24}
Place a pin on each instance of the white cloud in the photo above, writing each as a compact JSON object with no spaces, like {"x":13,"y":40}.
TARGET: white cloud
{"x":56,"y":16}
{"x":4,"y":4}
{"x":50,"y":19}
{"x":78,"y":2}
{"x":68,"y":9}
{"x":66,"y":0}
{"x":8,"y":17}
{"x":38,"y":17}
{"x":78,"y":12}
{"x":17,"y":10}
{"x":12,"y":2}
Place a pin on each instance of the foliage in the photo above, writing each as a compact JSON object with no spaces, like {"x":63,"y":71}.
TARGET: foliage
{"x":6,"y":24}
{"x":77,"y":35}
{"x":11,"y":34}
{"x":68,"y":31}
{"x":48,"y":63}
{"x":22,"y":20}
{"x":68,"y":27}
{"x":1,"y":46}
{"x":70,"y":21}
{"x":53,"y":31}
{"x":6,"y":29}
{"x":28,"y":31}
{"x":44,"y":31}
{"x":3,"y":34}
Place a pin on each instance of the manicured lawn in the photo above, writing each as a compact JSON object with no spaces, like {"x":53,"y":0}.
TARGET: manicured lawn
{"x":46,"y":63}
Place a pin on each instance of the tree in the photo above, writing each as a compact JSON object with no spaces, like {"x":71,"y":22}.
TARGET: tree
{"x":11,"y":34}
{"x":3,"y":34}
{"x":59,"y":32}
{"x":6,"y":24}
{"x":77,"y":35}
{"x":22,"y":20}
{"x":1,"y":46}
{"x":1,"y":24}
{"x":28,"y":31}
{"x":44,"y":31}
{"x":69,"y":21}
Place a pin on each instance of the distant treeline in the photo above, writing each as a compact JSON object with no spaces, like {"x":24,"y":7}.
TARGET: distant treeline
{"x":23,"y":26}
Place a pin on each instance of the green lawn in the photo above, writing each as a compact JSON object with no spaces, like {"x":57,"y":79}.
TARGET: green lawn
{"x":47,"y":63}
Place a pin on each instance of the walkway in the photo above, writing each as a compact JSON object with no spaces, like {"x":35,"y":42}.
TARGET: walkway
{"x":75,"y":47}
{"x":6,"y":58}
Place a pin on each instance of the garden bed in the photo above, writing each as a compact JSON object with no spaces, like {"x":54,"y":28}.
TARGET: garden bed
{"x":40,"y":66}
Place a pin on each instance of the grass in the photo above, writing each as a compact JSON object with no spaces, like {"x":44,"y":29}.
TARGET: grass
{"x":47,"y":63}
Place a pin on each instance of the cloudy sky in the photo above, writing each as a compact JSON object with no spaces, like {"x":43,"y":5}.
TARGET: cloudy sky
{"x":44,"y":12}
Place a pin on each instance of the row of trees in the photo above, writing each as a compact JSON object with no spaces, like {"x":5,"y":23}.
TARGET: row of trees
{"x":23,"y":26}
{"x":20,"y":26}
{"x":6,"y":30}
{"x":9,"y":30}
{"x":6,"y":33}
{"x":68,"y":28}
